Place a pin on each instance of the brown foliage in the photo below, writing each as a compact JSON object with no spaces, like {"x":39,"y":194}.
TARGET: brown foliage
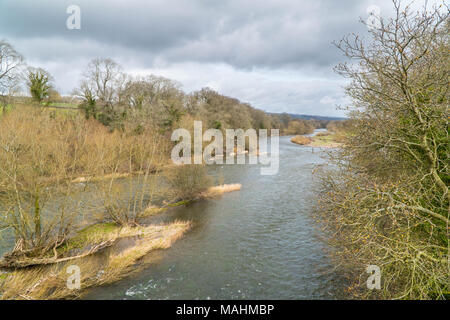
{"x":301,"y":140}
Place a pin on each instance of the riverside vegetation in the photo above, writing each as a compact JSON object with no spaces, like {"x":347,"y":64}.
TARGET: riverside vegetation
{"x":384,"y":200}
{"x":71,"y":190}
{"x":80,"y":176}
{"x":387,"y":203}
{"x":45,"y":209}
{"x":332,"y":138}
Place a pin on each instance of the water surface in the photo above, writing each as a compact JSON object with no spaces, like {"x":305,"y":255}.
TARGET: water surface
{"x":258,"y":243}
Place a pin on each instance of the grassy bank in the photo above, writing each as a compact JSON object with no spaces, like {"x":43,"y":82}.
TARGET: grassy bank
{"x":105,"y":252}
{"x":327,"y":140}
{"x":321,"y":140}
{"x":301,"y":140}
{"x":124,"y":256}
{"x":53,"y":163}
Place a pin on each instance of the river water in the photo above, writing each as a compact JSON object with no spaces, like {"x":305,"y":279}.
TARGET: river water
{"x":257,"y":243}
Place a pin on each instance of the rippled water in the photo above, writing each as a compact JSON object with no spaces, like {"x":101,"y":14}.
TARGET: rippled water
{"x":257,"y":243}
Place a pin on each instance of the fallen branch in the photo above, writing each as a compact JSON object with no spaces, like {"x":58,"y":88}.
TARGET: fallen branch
{"x":13,"y":263}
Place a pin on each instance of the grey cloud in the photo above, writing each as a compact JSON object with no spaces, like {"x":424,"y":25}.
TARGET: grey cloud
{"x":242,"y":33}
{"x":275,"y":54}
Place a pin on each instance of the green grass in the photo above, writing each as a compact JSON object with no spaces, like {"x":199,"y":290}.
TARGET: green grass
{"x":62,"y":104}
{"x":89,"y":235}
{"x":332,"y":139}
{"x":152,"y":211}
{"x":3,"y":276}
{"x":179,"y":203}
{"x":326,"y":139}
{"x":4,"y":109}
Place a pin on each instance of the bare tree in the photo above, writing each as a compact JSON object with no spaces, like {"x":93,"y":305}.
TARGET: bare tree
{"x":103,"y":78}
{"x":389,"y":204}
{"x":400,"y":91}
{"x":101,"y":90}
{"x":10,"y":62}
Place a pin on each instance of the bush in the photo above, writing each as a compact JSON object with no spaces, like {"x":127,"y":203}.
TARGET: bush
{"x":388,"y":202}
{"x":302,"y":140}
{"x":186,"y":182}
{"x":46,"y":154}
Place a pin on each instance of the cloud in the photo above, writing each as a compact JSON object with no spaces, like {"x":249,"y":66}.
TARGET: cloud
{"x":275,"y":54}
{"x":244,"y":34}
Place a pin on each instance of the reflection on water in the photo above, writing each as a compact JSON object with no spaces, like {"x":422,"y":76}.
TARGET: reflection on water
{"x":257,"y":243}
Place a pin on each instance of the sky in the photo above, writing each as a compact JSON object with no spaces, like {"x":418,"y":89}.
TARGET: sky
{"x":276,"y":55}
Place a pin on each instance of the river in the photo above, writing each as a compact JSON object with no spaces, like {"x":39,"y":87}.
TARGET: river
{"x":257,"y":243}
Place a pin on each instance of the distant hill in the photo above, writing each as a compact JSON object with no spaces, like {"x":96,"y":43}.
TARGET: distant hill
{"x":311,"y":117}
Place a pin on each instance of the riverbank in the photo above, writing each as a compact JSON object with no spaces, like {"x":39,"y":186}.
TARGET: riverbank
{"x":261,"y":242}
{"x":102,"y":252}
{"x":320,"y":140}
{"x":128,"y":246}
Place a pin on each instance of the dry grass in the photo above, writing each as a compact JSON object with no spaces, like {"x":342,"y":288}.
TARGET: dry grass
{"x":101,"y":178}
{"x":320,"y":140}
{"x":218,"y":190}
{"x":50,"y":282}
{"x":151,"y":211}
{"x":302,"y":140}
{"x":325,"y":140}
{"x":42,"y":151}
{"x":151,"y":238}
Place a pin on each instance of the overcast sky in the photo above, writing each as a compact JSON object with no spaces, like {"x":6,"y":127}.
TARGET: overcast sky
{"x":275,"y":54}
